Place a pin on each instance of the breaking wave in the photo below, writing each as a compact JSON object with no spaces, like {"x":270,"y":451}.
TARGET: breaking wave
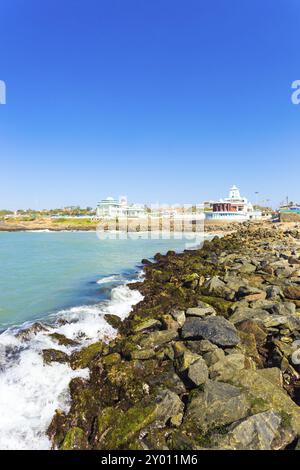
{"x":30,"y":390}
{"x":107,"y":279}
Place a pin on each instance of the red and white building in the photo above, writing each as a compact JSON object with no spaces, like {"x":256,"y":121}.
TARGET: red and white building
{"x":233,"y":207}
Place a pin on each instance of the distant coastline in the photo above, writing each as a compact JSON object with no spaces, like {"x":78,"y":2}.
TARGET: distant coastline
{"x":89,"y":225}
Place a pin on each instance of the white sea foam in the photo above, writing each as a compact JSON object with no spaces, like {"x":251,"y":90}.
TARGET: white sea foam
{"x":41,"y":230}
{"x":30,"y":390}
{"x":105,"y":280}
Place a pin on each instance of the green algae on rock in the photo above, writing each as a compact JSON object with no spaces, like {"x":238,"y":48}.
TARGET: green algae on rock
{"x":204,"y":361}
{"x":82,"y":358}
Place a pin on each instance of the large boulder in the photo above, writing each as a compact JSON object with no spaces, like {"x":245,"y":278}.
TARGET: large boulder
{"x":117,"y":428}
{"x":219,"y":404}
{"x":246,"y":268}
{"x":263,"y":431}
{"x":82,"y":358}
{"x":242,"y":313}
{"x":218,"y":288}
{"x":54,"y":355}
{"x":201,"y":311}
{"x":262,"y":316}
{"x":157,"y":338}
{"x":113,"y":320}
{"x":62,"y":340}
{"x":282,"y":308}
{"x":292,"y":292}
{"x":129,"y":378}
{"x":250,"y":293}
{"x":200,"y":347}
{"x":147,"y":324}
{"x":263,"y":394}
{"x":274,"y":293}
{"x":226,"y":367}
{"x":248,"y":346}
{"x":293,"y":322}
{"x":215,"y":329}
{"x":251,"y":327}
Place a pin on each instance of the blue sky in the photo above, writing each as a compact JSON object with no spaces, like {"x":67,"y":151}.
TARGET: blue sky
{"x":166,"y":101}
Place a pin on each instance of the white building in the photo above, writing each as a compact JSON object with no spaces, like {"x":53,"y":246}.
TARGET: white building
{"x":111,"y":208}
{"x":233,"y":207}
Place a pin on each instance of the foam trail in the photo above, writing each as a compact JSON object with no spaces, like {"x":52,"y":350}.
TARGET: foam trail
{"x":107,"y":279}
{"x":30,"y":390}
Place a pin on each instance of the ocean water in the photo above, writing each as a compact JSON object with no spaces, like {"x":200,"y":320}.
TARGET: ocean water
{"x":67,"y":281}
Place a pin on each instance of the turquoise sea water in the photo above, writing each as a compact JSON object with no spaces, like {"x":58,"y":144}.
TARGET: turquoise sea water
{"x":42,"y":273}
{"x":69,"y":281}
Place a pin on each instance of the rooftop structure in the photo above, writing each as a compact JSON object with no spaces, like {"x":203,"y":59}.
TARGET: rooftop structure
{"x":233,"y":207}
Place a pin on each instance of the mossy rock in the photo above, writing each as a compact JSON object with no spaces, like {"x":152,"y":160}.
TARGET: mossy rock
{"x":130,"y":378}
{"x":116,"y":428}
{"x":111,"y":359}
{"x":146,"y":324}
{"x":63,"y":340}
{"x":181,"y":440}
{"x":221,"y":306}
{"x":58,"y":428}
{"x":87,"y":399}
{"x":127,"y":344}
{"x":156,"y":439}
{"x":113,"y":320}
{"x":75,"y":440}
{"x":248,"y":347}
{"x":54,"y":355}
{"x":191,"y":281}
{"x":264,"y":395}
{"x":160,"y":276}
{"x":82,"y":358}
{"x":142,"y":354}
{"x":158,"y":338}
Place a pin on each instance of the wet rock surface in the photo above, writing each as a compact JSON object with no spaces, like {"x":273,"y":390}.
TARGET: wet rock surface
{"x":215,"y":329}
{"x":208,"y":360}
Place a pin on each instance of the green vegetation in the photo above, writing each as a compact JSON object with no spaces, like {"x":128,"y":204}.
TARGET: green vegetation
{"x":66,"y":211}
{"x":73,"y":221}
{"x":4,"y":212}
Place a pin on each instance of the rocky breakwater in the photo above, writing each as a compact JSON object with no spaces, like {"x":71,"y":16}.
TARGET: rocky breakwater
{"x":206,"y":361}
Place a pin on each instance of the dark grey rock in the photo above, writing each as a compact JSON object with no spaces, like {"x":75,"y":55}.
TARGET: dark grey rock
{"x":216,"y":329}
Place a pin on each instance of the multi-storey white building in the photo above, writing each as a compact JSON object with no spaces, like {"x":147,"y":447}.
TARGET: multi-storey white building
{"x":111,"y":208}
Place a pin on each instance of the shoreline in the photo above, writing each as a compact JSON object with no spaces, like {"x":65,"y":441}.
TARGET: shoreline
{"x":134,"y":226}
{"x":39,"y":369}
{"x":173,"y":284}
{"x":34,"y":367}
{"x":101,"y":282}
{"x":209,"y":348}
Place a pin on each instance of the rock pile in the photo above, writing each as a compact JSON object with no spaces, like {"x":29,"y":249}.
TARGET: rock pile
{"x":208,"y":360}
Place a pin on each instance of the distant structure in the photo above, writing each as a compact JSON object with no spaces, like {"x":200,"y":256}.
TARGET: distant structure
{"x":111,"y":208}
{"x":289,"y":212}
{"x":233,"y":207}
{"x":123,"y":201}
{"x":289,"y":207}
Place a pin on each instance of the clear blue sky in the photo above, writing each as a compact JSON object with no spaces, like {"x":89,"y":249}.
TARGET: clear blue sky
{"x":167,"y":101}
